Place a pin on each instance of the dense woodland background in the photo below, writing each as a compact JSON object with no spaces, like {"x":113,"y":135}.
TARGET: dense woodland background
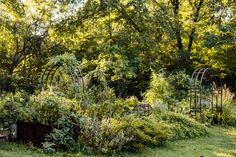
{"x":124,"y":77}
{"x":126,"y":39}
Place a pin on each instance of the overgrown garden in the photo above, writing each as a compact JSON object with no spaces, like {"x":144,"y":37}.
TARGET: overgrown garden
{"x":113,"y":76}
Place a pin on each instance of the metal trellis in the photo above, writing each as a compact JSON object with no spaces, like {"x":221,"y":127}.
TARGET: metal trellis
{"x":205,"y":92}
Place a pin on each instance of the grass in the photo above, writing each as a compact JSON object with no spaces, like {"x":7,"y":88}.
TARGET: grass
{"x":221,"y":142}
{"x":19,"y":150}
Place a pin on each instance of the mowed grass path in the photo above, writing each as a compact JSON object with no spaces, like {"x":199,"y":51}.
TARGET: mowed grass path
{"x":221,"y":142}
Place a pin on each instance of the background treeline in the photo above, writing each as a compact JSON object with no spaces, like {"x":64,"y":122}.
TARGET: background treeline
{"x":115,"y":55}
{"x":126,"y":39}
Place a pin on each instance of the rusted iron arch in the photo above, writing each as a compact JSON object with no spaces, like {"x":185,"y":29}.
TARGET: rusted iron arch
{"x":193,"y":74}
{"x":219,"y":87}
{"x":50,"y":71}
{"x":196,"y":74}
{"x":196,"y":78}
{"x":207,"y":70}
{"x":52,"y":75}
{"x":191,"y":88}
{"x":218,"y":82}
{"x":196,"y":90}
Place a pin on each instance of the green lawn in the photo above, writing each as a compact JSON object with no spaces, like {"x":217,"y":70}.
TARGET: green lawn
{"x":18,"y":150}
{"x":221,"y":142}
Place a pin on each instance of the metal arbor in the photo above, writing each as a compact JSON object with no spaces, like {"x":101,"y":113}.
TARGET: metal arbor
{"x":48,"y":76}
{"x":205,"y":92}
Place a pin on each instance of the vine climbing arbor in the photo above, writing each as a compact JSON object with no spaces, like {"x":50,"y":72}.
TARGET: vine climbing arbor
{"x":64,"y":70}
{"x":205,"y":93}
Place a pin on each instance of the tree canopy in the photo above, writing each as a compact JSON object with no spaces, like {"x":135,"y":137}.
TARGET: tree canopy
{"x":126,"y":39}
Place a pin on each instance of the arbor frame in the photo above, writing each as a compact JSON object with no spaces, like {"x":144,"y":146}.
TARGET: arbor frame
{"x":205,"y":79}
{"x":50,"y":71}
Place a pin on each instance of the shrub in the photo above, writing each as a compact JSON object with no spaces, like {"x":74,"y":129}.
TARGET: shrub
{"x":169,"y":91}
{"x":180,"y":83}
{"x":65,"y":135}
{"x":159,"y":90}
{"x":12,"y":107}
{"x":47,"y":107}
{"x":228,"y":116}
{"x":183,"y":127}
{"x":146,"y":131}
{"x":104,"y":136}
{"x":107,"y":135}
{"x":130,"y":133}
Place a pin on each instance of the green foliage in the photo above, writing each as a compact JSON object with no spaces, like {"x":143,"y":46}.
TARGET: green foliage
{"x":159,"y":90}
{"x":123,"y":38}
{"x":12,"y":108}
{"x":130,"y":133}
{"x":25,"y":45}
{"x":124,"y":132}
{"x":146,"y":131}
{"x":113,"y":108}
{"x":183,"y":127}
{"x":171,"y":91}
{"x":64,"y":135}
{"x":104,"y":136}
{"x":180,"y":82}
{"x":228,"y":116}
{"x":111,"y":48}
{"x":48,"y":147}
{"x":69,"y":80}
{"x":47,"y":107}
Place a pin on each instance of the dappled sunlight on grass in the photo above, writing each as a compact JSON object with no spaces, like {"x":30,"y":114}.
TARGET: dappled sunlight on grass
{"x":224,"y":155}
{"x":230,"y":144}
{"x":221,"y":142}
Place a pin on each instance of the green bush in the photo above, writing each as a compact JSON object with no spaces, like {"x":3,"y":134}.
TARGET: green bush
{"x":168,"y":91}
{"x":183,"y":127}
{"x":159,"y":90}
{"x":180,"y":84}
{"x":100,"y":132}
{"x":130,"y":133}
{"x":12,"y":107}
{"x":106,"y":135}
{"x":47,"y":107}
{"x":146,"y":131}
{"x":112,"y":108}
{"x":65,"y":135}
{"x":228,"y":115}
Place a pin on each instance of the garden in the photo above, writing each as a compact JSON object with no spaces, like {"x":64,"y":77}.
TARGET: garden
{"x":75,"y":113}
{"x":117,"y":78}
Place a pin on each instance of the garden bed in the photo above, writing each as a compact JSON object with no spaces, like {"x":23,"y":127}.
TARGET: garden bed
{"x":32,"y":132}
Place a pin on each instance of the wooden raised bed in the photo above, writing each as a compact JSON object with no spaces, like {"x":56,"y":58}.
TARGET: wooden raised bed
{"x":32,"y":132}
{"x":3,"y":137}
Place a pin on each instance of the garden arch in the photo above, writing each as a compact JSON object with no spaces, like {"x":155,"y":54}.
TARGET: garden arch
{"x":48,"y":75}
{"x":205,"y":92}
